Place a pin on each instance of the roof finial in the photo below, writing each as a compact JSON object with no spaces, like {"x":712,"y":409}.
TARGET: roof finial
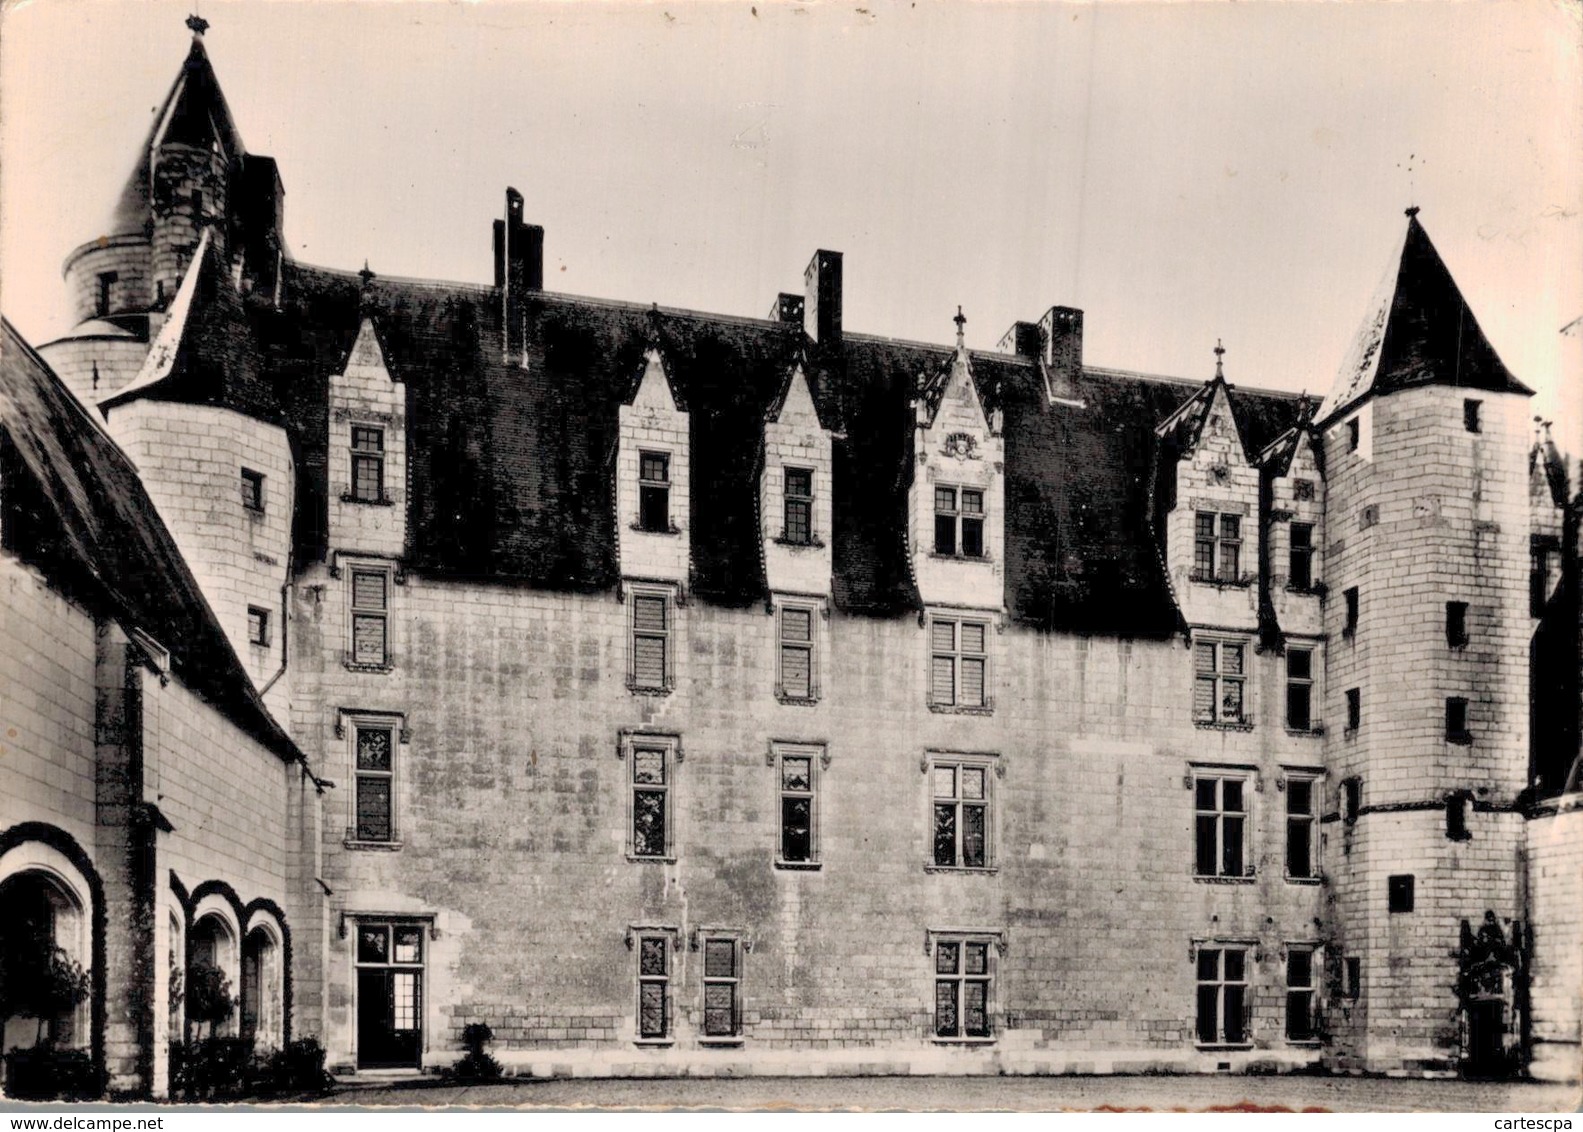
{"x":961,"y":321}
{"x":1220,"y":353}
{"x":366,"y":275}
{"x":198,"y":24}
{"x":1411,"y":165}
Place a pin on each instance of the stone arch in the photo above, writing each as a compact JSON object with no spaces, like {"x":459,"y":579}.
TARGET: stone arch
{"x":262,"y":997}
{"x":214,"y":939}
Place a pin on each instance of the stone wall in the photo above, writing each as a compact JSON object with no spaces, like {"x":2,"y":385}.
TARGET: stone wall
{"x":1555,"y":900}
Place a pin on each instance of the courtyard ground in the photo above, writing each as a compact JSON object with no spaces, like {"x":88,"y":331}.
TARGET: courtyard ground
{"x":1338,"y":1094}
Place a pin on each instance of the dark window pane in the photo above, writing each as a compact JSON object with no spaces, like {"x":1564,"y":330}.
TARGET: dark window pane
{"x":654,"y":508}
{"x":947,"y":958}
{"x":648,"y":823}
{"x":373,"y":809}
{"x":799,"y":483}
{"x":945,"y":499}
{"x":1299,"y":796}
{"x":720,"y":1015}
{"x":651,"y":1012}
{"x":1231,"y":846}
{"x":651,"y":956}
{"x":1231,"y":792}
{"x":1208,"y":1022}
{"x":1299,"y":1016}
{"x":1204,"y":524}
{"x":1300,"y":664}
{"x":1204,"y":559}
{"x":368,"y":473}
{"x":1205,"y":859}
{"x":975,"y":1009}
{"x":945,"y":1020}
{"x":796,"y":829}
{"x":720,"y":959}
{"x":1205,"y":794}
{"x":945,"y":534}
{"x":1300,"y":848}
{"x":1208,"y":964}
{"x":972,"y":501}
{"x":977,"y":956}
{"x":1299,"y":711}
{"x":373,"y":748}
{"x":1299,"y":968}
{"x":1230,"y":562}
{"x":1231,"y":700}
{"x":945,"y":835}
{"x":1236,"y":1027}
{"x":799,"y":525}
{"x":655,"y":467}
{"x":973,"y":844}
{"x":1236,"y":964}
{"x":373,"y":944}
{"x":973,"y":538}
{"x":1230,"y":526}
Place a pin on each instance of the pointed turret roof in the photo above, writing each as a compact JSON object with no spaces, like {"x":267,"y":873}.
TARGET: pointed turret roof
{"x":194,"y":113}
{"x":1419,"y":331}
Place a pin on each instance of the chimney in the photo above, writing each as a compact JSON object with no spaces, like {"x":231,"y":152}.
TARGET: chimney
{"x":1061,"y":331}
{"x":788,"y":308}
{"x":1024,"y":339}
{"x":519,"y":267}
{"x":822,"y":308}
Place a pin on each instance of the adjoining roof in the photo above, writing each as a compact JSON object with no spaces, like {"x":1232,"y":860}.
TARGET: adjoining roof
{"x":1419,"y":331}
{"x":75,"y":508}
{"x":194,"y":113}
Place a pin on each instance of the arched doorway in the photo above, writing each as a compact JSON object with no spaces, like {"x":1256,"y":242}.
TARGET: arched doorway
{"x":44,"y":946}
{"x":262,"y":1000}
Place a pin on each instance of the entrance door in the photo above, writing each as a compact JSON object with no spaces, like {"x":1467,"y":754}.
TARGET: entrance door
{"x":389,"y":995}
{"x":1486,"y":1038}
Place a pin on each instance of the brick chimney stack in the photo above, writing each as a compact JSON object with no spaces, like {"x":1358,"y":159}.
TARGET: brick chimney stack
{"x":519,"y":267}
{"x":822,"y":306}
{"x":1061,"y":331}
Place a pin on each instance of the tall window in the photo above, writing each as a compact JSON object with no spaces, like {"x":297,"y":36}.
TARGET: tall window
{"x":1472,"y":415}
{"x":798,"y":504}
{"x":651,"y":641}
{"x":1300,"y":689}
{"x":959,"y":521}
{"x":368,"y":464}
{"x":1222,"y":995}
{"x":1350,"y":625}
{"x":722,"y":986}
{"x":1300,"y":568}
{"x":1217,"y":546}
{"x":654,"y":491}
{"x":1457,"y":720}
{"x":107,"y":280}
{"x":1456,"y":624}
{"x":252,"y":490}
{"x":798,"y":768}
{"x":1219,"y":682}
{"x":1354,"y":708}
{"x":1301,"y":819}
{"x":1301,"y":999}
{"x":652,"y":770}
{"x":654,"y":987}
{"x":370,"y":618}
{"x":963,"y":977}
{"x":1352,"y":978}
{"x":1221,"y":824}
{"x":1354,"y":434}
{"x":961,"y":789}
{"x":376,"y":782}
{"x":797,"y":653}
{"x":958,"y":663}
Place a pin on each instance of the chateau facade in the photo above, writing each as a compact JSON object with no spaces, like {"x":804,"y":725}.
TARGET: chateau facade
{"x":692,"y":693}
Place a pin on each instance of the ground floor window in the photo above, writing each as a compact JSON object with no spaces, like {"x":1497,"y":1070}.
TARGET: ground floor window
{"x":1222,"y":994}
{"x":42,"y":953}
{"x":654,"y":987}
{"x":963,"y":982}
{"x":722,"y":986}
{"x":1301,"y":998}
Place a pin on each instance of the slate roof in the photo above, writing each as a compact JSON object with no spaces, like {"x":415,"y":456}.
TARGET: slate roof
{"x":1419,"y":331}
{"x":75,"y":508}
{"x":511,"y":473}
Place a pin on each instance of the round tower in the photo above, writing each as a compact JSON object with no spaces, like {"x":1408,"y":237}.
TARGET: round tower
{"x":1427,"y":625}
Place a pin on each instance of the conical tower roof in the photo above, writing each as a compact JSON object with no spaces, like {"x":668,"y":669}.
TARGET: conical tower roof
{"x":1419,"y":331}
{"x":194,"y":113}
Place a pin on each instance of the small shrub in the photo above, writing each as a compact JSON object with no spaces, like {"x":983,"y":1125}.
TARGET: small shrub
{"x":213,"y":1069}
{"x":476,"y":1065}
{"x":297,"y":1069}
{"x":208,"y":995}
{"x":43,"y":1073}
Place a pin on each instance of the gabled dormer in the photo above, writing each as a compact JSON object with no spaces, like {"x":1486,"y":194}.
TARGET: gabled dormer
{"x":1295,"y":538}
{"x":367,"y":445}
{"x":795,"y":491}
{"x":957,"y":505}
{"x":652,"y":477}
{"x":1212,"y":532}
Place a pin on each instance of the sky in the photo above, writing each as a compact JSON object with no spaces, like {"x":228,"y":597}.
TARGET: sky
{"x":1183,"y":172}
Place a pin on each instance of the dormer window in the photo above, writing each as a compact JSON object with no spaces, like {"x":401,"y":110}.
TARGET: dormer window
{"x":959,"y":522}
{"x":798,"y":502}
{"x":1217,"y":547}
{"x":654,"y":491}
{"x":1301,"y":565}
{"x":368,"y":464}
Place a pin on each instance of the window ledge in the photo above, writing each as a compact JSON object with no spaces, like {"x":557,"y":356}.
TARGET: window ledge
{"x":795,"y":544}
{"x":734,"y":1042}
{"x":638,"y":690}
{"x":1306,"y":1043}
{"x":1220,"y":583}
{"x":374,"y":846}
{"x":1318,"y":589}
{"x":1310,"y":881}
{"x":253,"y":512}
{"x":939,"y":1041}
{"x":797,"y":701}
{"x":1218,"y":725}
{"x":353,"y":666}
{"x":667,"y":860}
{"x":962,"y":709}
{"x":1349,"y":732}
{"x":1307,"y":732}
{"x":654,"y":1043}
{"x":642,"y":530}
{"x":799,"y":866}
{"x":382,"y":501}
{"x":1225,"y":880}
{"x":988,"y":870}
{"x":1460,"y":738}
{"x":938,"y":557}
{"x":1210,"y":1046}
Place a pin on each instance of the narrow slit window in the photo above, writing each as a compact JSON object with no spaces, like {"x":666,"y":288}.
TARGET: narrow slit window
{"x":798,"y":525}
{"x":376,"y":781}
{"x":1456,"y":624}
{"x":1301,"y":824}
{"x":651,"y":801}
{"x":253,"y":490}
{"x":1300,"y":570}
{"x":1457,"y":720}
{"x":1473,"y":415}
{"x":945,"y":515}
{"x":651,"y":641}
{"x":1300,"y":689}
{"x":654,"y":987}
{"x":107,"y":281}
{"x":1399,"y":893}
{"x":799,"y":799}
{"x":257,"y":625}
{"x":1301,"y":995}
{"x":1354,"y":709}
{"x":1350,"y":625}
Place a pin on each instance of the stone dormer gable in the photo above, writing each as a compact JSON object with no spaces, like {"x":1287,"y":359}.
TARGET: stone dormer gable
{"x":1547,"y":488}
{"x":1291,"y":573}
{"x":368,"y":449}
{"x":796,"y":487}
{"x":952,"y":391}
{"x":653,"y":480}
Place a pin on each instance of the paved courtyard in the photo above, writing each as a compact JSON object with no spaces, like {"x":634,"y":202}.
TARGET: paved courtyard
{"x":1339,"y":1094}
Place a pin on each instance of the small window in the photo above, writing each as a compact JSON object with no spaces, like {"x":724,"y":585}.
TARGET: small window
{"x":1457,"y":720}
{"x":959,"y":521}
{"x":961,"y":812}
{"x":796,"y":660}
{"x":1472,"y":413}
{"x":1219,"y":682}
{"x":798,"y":525}
{"x":1301,"y":824}
{"x":1222,"y":996}
{"x":959,"y":662}
{"x":651,"y":642}
{"x":654,"y":491}
{"x":1301,"y":565}
{"x":798,"y":768}
{"x":1354,"y":434}
{"x":1300,"y":689}
{"x":1301,"y":997}
{"x":257,"y":625}
{"x":368,"y":464}
{"x":376,"y":781}
{"x":1354,"y":708}
{"x":107,"y":281}
{"x":1351,"y":799}
{"x":1217,"y":547}
{"x":963,"y":979}
{"x":1350,"y":627}
{"x":1456,"y":624}
{"x":1369,"y":516}
{"x":652,"y":771}
{"x":253,"y":490}
{"x":370,"y":618}
{"x":722,"y":987}
{"x":1399,"y":893}
{"x":1352,"y":978}
{"x":654,"y":987}
{"x":1457,"y":805}
{"x":1221,"y":825}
